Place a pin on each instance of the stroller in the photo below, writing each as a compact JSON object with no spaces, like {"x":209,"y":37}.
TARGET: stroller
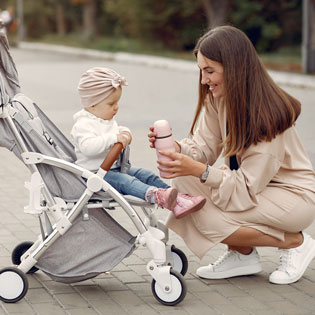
{"x":73,"y":207}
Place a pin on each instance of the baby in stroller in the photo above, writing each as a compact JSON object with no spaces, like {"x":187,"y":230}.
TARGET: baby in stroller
{"x":94,"y":133}
{"x":73,"y":205}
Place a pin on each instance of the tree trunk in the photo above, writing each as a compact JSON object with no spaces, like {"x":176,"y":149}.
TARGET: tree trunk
{"x":308,"y":42}
{"x":60,"y":19}
{"x":89,"y":17}
{"x":215,"y":11}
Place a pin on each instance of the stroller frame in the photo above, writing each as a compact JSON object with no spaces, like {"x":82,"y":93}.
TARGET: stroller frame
{"x":168,"y":264}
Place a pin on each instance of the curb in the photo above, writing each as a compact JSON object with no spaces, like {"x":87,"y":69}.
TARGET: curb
{"x":280,"y":77}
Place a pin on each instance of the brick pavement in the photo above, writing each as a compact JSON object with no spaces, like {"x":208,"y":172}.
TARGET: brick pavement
{"x":127,"y":288}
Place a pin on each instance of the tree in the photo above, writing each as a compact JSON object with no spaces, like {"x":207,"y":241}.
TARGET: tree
{"x":308,"y":47}
{"x":89,"y":17}
{"x":60,"y":17}
{"x":175,"y":24}
{"x":216,"y":12}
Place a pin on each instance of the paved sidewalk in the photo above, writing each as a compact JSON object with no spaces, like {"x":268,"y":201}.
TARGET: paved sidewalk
{"x":127,"y":288}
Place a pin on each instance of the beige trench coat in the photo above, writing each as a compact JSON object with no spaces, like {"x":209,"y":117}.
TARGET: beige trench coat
{"x":273,"y":190}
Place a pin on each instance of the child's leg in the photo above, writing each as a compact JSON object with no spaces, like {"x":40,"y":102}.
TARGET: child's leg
{"x":183,"y":205}
{"x":130,"y":185}
{"x":148,"y":177}
{"x":126,"y":184}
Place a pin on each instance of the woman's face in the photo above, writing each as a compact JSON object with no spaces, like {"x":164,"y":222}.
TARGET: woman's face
{"x":211,"y":75}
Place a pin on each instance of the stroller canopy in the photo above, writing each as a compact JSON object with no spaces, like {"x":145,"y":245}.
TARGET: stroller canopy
{"x":9,"y":83}
{"x":39,"y":134}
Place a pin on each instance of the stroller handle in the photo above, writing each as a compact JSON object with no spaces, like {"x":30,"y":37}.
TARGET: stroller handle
{"x":112,"y":156}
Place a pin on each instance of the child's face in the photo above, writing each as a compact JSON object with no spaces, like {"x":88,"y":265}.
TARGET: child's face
{"x":108,"y":108}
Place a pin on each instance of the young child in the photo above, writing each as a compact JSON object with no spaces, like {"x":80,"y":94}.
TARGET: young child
{"x":94,"y":133}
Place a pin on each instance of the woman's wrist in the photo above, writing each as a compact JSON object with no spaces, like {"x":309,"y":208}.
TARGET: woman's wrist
{"x":199,"y":169}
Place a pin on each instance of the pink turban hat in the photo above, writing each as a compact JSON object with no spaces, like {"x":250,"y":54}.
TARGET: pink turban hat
{"x":96,"y":84}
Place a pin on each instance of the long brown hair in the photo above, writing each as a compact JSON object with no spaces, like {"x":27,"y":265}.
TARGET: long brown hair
{"x":257,"y":109}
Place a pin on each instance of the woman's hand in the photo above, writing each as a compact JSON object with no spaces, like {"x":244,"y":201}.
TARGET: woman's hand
{"x":152,"y":136}
{"x":182,"y":165}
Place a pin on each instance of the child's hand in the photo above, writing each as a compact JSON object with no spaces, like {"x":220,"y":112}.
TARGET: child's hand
{"x":124,"y":138}
{"x":127,"y":135}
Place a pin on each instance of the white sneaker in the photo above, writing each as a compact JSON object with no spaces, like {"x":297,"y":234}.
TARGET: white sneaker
{"x":231,"y":264}
{"x":293,"y":262}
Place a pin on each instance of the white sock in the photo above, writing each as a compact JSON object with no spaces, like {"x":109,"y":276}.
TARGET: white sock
{"x":149,"y":195}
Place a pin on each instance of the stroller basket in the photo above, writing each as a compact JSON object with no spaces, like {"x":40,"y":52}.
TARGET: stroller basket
{"x":91,"y":246}
{"x":79,"y":239}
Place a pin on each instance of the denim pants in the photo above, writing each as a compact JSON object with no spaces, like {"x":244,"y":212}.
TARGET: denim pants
{"x":135,"y":183}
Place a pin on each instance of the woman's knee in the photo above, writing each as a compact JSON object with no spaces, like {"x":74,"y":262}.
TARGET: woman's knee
{"x":210,"y":220}
{"x":292,"y":240}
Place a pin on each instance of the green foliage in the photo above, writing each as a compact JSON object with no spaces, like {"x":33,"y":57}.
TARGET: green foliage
{"x":114,"y":44}
{"x":169,"y":24}
{"x":268,"y":23}
{"x":175,"y":23}
{"x":40,"y":16}
{"x":7,"y":3}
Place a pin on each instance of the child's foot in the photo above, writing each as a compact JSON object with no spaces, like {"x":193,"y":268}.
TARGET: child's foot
{"x":186,"y":204}
{"x":166,"y":198}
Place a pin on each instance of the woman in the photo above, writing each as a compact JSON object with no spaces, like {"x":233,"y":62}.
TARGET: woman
{"x":264,"y":194}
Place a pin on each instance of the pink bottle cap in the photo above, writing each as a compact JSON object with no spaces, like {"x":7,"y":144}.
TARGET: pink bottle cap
{"x":162,"y":128}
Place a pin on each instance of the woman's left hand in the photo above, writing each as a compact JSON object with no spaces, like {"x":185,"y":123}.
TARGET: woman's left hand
{"x":182,"y":165}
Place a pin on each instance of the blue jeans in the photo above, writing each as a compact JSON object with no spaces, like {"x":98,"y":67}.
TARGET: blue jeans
{"x":135,"y":183}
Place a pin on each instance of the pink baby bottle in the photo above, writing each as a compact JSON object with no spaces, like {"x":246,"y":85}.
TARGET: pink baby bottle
{"x":164,"y":141}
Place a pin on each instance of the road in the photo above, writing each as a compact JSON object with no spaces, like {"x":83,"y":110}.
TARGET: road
{"x":153,"y":93}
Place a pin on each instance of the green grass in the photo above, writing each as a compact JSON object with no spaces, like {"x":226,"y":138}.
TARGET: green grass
{"x":114,"y":44}
{"x":287,"y":58}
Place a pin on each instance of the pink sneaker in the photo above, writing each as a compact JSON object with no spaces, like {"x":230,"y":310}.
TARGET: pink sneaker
{"x":186,"y":204}
{"x":166,"y":198}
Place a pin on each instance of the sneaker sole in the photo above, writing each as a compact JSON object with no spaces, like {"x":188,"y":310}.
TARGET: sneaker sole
{"x":172,"y":199}
{"x":309,"y":258}
{"x":197,"y":207}
{"x":236,"y":272}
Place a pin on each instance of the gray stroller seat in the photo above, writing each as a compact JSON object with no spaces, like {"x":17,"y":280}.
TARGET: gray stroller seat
{"x":95,"y":243}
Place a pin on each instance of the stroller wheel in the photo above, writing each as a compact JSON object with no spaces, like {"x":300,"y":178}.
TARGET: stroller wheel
{"x":13,"y":284}
{"x":175,"y":295}
{"x":179,"y":260}
{"x":17,"y":253}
